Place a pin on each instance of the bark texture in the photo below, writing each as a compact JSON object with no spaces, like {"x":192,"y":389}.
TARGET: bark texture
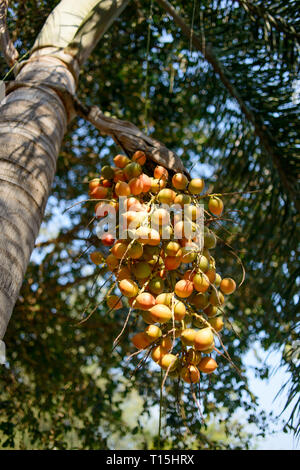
{"x":32,"y":125}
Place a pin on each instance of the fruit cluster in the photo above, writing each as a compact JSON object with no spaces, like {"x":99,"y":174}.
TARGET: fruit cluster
{"x":162,"y":264}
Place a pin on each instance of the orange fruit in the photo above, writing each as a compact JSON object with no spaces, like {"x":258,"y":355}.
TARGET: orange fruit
{"x":160,"y":173}
{"x":184,"y":288}
{"x":121,"y":161}
{"x":227,"y":285}
{"x":140,"y":157}
{"x":140,"y":340}
{"x":188,"y":336}
{"x":122,"y":189}
{"x":96,"y":257}
{"x":190,"y":374}
{"x":207,"y":365}
{"x":179,"y":181}
{"x":144,"y":301}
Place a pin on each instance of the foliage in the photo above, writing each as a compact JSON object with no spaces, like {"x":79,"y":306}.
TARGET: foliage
{"x":50,"y":385}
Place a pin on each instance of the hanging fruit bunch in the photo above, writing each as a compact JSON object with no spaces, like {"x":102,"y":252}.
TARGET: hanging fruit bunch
{"x":158,"y":241}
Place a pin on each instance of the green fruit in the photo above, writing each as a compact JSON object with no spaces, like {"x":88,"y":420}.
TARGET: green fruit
{"x":210,"y":239}
{"x":141,"y":270}
{"x":132,"y":170}
{"x":107,"y":172}
{"x":156,"y":285}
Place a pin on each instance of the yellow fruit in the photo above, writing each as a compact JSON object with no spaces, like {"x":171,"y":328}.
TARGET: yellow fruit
{"x":153,"y":332}
{"x":184,"y":288}
{"x":168,"y":362}
{"x":196,"y":186}
{"x":217,"y":323}
{"x":128,"y":288}
{"x":193,"y":357}
{"x":203,"y":339}
{"x":215,"y":205}
{"x":188,"y":336}
{"x":201,"y":283}
{"x":161,"y":313}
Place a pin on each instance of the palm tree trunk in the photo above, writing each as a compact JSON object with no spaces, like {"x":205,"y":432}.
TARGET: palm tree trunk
{"x":33,"y":121}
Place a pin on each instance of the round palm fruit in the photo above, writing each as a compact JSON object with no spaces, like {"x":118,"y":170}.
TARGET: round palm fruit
{"x":140,"y":157}
{"x":202,"y":263}
{"x":107,"y":172}
{"x":146,"y":180}
{"x":132,"y":170}
{"x":172,"y":248}
{"x":123,"y":272}
{"x":218,"y":280}
{"x":121,"y":161}
{"x":135,"y":251}
{"x":113,"y":302}
{"x":203,"y":339}
{"x":161,"y":313}
{"x":112,"y":262}
{"x":144,"y":301}
{"x":190,"y":374}
{"x":147,"y":317}
{"x":210,"y":240}
{"x":128,"y":288}
{"x":217,"y":323}
{"x":216,"y":298}
{"x":207,"y":365}
{"x":122,"y":189}
{"x":179,"y":181}
{"x":215,"y":205}
{"x":188,"y":336}
{"x":211,"y":311}
{"x":164,"y":298}
{"x":196,"y":186}
{"x":172,"y":262}
{"x":182,"y":199}
{"x":153,"y":332}
{"x":157,"y":353}
{"x":119,"y":249}
{"x":179,"y":310}
{"x":166,"y":196}
{"x":141,"y":270}
{"x":136,"y":186}
{"x":119,"y":176}
{"x":227,"y":285}
{"x":160,"y":173}
{"x":189,"y":274}
{"x":193,"y":357}
{"x":107,"y":239}
{"x":201,"y":283}
{"x":94,"y":183}
{"x":99,"y":193}
{"x":183,"y":288}
{"x":188,"y":255}
{"x":200,"y":300}
{"x":157,"y":185}
{"x":168,"y":362}
{"x":167,"y":343}
{"x":140,"y":340}
{"x":96,"y":257}
{"x":156,"y":285}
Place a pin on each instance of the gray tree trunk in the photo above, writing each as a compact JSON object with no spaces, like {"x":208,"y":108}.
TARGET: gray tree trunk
{"x":33,"y":122}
